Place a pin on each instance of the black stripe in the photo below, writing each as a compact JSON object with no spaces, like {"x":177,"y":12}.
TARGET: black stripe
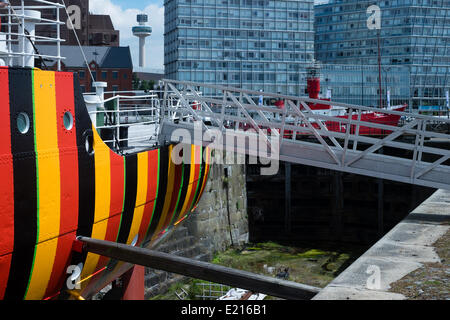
{"x":185,"y":186}
{"x":86,"y":166}
{"x":25,"y":184}
{"x":86,"y":173}
{"x":162,"y":190}
{"x":131,"y":177}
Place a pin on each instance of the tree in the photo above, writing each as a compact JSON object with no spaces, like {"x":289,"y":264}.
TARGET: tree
{"x":136,"y":82}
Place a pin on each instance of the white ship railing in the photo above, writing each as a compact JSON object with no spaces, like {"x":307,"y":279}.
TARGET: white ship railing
{"x":138,"y":112}
{"x":135,"y":112}
{"x":20,"y":30}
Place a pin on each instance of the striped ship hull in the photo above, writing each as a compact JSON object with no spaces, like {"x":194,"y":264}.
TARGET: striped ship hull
{"x":53,"y":190}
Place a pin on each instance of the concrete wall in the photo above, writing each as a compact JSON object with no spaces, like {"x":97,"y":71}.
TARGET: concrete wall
{"x":326,"y":207}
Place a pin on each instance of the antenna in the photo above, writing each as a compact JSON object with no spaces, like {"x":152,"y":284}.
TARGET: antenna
{"x":78,"y":41}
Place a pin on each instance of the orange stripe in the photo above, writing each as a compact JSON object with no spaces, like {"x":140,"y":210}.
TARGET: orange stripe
{"x":205,"y":175}
{"x":49,"y":189}
{"x":67,"y":144}
{"x":151,"y":193}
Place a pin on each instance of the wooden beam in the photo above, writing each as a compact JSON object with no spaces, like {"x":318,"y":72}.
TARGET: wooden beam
{"x":201,"y":270}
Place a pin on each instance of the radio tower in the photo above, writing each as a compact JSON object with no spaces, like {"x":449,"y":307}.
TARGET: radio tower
{"x":142,"y":31}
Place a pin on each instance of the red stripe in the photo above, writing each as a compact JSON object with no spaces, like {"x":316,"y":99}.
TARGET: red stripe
{"x":68,"y":159}
{"x":116,"y":205}
{"x":152,"y":184}
{"x":62,"y":262}
{"x":5,"y":264}
{"x":115,"y":211}
{"x":198,"y":157}
{"x":205,"y":176}
{"x":6,"y":183}
{"x":117,"y":194}
{"x":175,"y":193}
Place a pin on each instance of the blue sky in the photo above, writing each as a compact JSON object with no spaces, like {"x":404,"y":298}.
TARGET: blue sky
{"x":138,"y":4}
{"x":123,"y":15}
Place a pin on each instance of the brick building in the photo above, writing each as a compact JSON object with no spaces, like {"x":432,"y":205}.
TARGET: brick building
{"x":109,"y":64}
{"x":91,"y":29}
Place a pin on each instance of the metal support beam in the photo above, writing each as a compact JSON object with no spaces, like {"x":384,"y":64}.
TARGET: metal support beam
{"x":288,"y":200}
{"x":200,"y":270}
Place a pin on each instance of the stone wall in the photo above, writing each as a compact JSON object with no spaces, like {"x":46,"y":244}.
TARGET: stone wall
{"x":219,"y":222}
{"x":220,"y":219}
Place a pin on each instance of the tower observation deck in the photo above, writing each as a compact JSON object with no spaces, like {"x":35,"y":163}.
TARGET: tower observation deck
{"x":142,"y":31}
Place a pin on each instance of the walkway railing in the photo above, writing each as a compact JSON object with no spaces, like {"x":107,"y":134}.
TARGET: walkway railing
{"x":351,"y":142}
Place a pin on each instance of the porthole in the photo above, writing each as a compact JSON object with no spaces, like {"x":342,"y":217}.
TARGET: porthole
{"x":89,"y":142}
{"x":23,"y":123}
{"x":68,"y":121}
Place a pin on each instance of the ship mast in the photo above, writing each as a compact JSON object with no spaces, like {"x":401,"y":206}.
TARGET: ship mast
{"x":379,"y":70}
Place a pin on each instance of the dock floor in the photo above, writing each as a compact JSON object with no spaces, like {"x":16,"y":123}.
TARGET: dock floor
{"x":405,"y":263}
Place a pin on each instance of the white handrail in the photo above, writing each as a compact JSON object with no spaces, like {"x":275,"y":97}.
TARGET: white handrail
{"x":20,"y":42}
{"x":139,"y":114}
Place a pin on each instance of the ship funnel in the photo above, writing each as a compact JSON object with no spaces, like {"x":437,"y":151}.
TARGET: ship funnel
{"x":28,"y":28}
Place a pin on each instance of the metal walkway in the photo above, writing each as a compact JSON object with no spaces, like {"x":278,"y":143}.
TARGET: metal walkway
{"x":249,"y":117}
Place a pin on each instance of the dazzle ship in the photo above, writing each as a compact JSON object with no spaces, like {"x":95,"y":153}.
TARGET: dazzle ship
{"x":60,"y":180}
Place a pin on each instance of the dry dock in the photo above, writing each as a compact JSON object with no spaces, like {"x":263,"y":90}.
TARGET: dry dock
{"x":403,"y":256}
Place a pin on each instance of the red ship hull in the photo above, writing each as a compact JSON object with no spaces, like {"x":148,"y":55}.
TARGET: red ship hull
{"x":337,"y":126}
{"x":372,"y":117}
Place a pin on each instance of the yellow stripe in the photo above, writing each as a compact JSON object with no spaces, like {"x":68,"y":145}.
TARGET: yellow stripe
{"x":42,"y":272}
{"x":48,"y":181}
{"x":141,"y":196}
{"x":205,"y":174}
{"x":102,"y":200}
{"x":167,"y":200}
{"x":191,"y":186}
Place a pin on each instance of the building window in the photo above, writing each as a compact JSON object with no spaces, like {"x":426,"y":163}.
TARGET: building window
{"x":82,"y":74}
{"x":104,"y":75}
{"x":115,"y":74}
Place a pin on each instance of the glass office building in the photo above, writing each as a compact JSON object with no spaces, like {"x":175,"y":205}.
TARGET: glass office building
{"x":359,"y":85}
{"x":250,"y":44}
{"x":414,"y":33}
